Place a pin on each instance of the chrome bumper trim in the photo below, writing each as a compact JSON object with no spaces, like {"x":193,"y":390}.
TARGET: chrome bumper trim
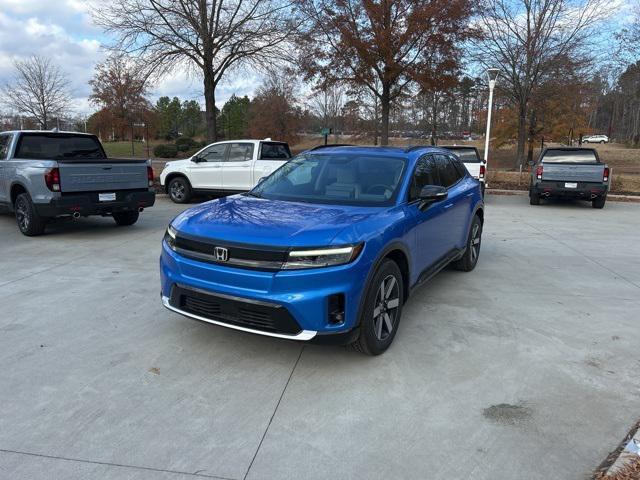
{"x":304,"y":335}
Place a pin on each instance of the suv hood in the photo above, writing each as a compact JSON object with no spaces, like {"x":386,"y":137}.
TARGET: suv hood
{"x":245,"y":219}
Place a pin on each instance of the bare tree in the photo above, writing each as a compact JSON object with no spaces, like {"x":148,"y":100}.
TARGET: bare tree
{"x":526,"y":38}
{"x":210,"y":36}
{"x":38,"y":90}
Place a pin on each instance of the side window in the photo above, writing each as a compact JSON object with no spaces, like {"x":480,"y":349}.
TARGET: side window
{"x":274,"y":151}
{"x":4,"y":146}
{"x":460,"y":168}
{"x":215,"y":153}
{"x":240,"y":152}
{"x":446,"y":171}
{"x":424,"y":174}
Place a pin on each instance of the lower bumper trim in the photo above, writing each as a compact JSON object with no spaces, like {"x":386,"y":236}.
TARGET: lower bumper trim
{"x":303,"y":335}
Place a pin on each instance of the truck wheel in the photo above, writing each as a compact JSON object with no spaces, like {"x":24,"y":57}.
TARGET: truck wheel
{"x":124,"y":219}
{"x":482,"y":189}
{"x":380,"y":315}
{"x":534,"y":197}
{"x":29,"y":222}
{"x":179,"y":190}
{"x":470,"y":258}
{"x":601,"y":142}
{"x":599,"y":202}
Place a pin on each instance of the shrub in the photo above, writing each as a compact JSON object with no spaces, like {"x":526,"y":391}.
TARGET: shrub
{"x":165,"y":151}
{"x":185,"y":143}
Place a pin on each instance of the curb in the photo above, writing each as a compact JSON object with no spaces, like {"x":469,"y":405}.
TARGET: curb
{"x":622,"y":457}
{"x":610,"y":197}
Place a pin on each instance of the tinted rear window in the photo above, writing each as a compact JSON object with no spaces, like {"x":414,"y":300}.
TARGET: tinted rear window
{"x":58,"y":146}
{"x":569,"y":156}
{"x":274,"y":151}
{"x":466,"y":155}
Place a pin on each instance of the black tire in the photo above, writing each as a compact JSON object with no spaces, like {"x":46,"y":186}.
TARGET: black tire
{"x":377,"y":332}
{"x":179,"y":190}
{"x":599,"y":202}
{"x":534,"y":197}
{"x":474,"y":241}
{"x":483,"y":188}
{"x":125,"y":219}
{"x":601,"y":142}
{"x":29,"y":222}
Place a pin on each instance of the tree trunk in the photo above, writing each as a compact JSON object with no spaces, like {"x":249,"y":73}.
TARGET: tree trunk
{"x":385,"y":102}
{"x":522,"y":135}
{"x":210,"y":106}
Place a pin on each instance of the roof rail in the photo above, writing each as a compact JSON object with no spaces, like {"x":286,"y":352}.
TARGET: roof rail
{"x":319,"y":147}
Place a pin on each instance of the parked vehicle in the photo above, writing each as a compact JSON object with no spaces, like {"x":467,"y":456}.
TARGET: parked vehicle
{"x":48,"y":174}
{"x":569,"y":172}
{"x":471,"y":159}
{"x":223,"y":167}
{"x":595,"y":139}
{"x":328,"y":247}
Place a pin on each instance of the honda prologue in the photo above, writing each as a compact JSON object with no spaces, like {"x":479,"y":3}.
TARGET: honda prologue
{"x":328,"y":247}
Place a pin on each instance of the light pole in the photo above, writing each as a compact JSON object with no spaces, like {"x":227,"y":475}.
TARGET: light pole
{"x":492,"y":73}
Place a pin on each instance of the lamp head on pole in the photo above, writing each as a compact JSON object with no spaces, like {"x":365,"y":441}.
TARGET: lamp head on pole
{"x":493,"y":73}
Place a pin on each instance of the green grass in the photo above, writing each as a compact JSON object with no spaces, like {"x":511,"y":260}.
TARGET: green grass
{"x":123,"y":149}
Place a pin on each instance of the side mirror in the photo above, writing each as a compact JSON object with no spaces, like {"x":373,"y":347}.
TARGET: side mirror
{"x":260,"y":180}
{"x":196,"y":159}
{"x":431,"y":194}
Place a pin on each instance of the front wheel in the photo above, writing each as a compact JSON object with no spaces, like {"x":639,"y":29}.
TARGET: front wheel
{"x":29,"y":222}
{"x":381,"y":311}
{"x":470,"y":258}
{"x":124,"y":219}
{"x":179,"y":190}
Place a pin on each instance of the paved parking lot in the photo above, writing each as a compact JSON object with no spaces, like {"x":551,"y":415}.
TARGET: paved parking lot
{"x":525,"y":368}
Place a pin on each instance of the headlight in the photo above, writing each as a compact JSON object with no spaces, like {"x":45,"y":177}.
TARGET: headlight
{"x":170,"y":236}
{"x":322,"y":257}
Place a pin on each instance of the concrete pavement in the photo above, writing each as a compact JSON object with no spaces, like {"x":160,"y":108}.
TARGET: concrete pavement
{"x":524,"y":368}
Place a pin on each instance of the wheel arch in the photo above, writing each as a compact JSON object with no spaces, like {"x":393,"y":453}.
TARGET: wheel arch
{"x":173,"y":175}
{"x":16,"y":189}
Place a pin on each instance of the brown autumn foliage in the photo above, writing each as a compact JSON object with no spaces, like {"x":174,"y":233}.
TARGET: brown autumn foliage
{"x":385,"y":45}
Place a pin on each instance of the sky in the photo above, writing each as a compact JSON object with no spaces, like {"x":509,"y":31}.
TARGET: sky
{"x":62,"y":31}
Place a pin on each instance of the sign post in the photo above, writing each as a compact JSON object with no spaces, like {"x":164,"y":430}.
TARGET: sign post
{"x":325,"y":132}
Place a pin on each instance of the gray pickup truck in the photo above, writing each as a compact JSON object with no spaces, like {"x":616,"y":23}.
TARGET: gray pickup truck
{"x":569,"y":172}
{"x":49,"y":174}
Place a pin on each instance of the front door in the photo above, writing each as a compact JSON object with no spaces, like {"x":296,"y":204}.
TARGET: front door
{"x":206,"y":174}
{"x":237,"y":169}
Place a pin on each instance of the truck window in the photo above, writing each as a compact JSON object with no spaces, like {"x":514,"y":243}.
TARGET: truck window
{"x":466,"y":155}
{"x":569,"y":156}
{"x":4,"y":146}
{"x":240,"y":152}
{"x":214,"y":153}
{"x":274,"y":151}
{"x":57,"y":146}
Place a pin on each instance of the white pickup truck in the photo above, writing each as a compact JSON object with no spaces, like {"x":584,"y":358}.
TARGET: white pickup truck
{"x":223,"y":167}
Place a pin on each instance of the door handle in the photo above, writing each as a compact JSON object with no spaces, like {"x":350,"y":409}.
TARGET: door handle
{"x":448,"y":205}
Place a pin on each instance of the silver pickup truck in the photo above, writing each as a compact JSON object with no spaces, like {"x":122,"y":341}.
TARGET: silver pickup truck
{"x":569,"y":172}
{"x":49,"y":174}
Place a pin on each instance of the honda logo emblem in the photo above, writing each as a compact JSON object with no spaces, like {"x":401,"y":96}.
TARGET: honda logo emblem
{"x":222,"y":254}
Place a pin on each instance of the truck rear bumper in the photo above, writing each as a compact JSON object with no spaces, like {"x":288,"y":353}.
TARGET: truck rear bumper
{"x":582,"y":190}
{"x":88,"y":203}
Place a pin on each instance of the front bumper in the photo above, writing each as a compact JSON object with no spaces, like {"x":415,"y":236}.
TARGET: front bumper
{"x":88,"y":203}
{"x":583,"y":190}
{"x":301,"y":295}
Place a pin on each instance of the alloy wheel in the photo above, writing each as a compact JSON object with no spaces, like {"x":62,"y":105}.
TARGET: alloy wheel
{"x":474,"y":244}
{"x":178,"y":190}
{"x":22,"y":215}
{"x":386,"y":307}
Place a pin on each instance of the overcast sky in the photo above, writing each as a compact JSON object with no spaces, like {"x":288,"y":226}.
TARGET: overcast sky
{"x":62,"y":30}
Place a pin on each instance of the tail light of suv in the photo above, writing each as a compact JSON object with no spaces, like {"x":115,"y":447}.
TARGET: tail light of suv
{"x":605,"y":175}
{"x":52,"y":179}
{"x":150,"y":176}
{"x":483,"y":170}
{"x":539,"y":172}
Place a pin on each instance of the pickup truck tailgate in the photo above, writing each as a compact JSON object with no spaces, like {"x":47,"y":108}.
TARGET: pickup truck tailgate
{"x":564,"y":172}
{"x":102,"y":176}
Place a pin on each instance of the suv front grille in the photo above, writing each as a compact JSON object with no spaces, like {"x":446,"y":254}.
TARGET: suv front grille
{"x":252,"y":314}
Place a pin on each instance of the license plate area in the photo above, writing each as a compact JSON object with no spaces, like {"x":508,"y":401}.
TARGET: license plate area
{"x":107,"y":197}
{"x":570,"y":185}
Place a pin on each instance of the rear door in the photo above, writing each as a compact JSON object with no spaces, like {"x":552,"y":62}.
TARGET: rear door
{"x":5,"y":141}
{"x":270,"y":157}
{"x":237,"y":169}
{"x":207,"y":173}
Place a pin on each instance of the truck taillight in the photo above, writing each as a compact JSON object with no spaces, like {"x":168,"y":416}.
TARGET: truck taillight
{"x":482,"y":171}
{"x":150,"y":176}
{"x":52,"y":179}
{"x":605,"y":175}
{"x":539,"y":172}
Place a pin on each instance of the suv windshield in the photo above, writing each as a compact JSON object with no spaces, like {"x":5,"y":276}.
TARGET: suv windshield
{"x":569,"y":156}
{"x":349,"y":179}
{"x":55,"y":146}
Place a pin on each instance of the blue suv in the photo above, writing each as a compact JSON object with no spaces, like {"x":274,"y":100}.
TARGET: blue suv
{"x":328,"y":247}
